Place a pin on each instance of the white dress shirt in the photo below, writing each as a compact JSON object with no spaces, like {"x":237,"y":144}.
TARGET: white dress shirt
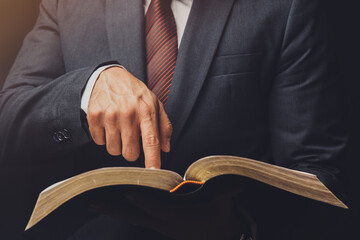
{"x":181,"y":10}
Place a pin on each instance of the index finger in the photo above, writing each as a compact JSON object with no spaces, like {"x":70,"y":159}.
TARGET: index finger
{"x":150,"y":138}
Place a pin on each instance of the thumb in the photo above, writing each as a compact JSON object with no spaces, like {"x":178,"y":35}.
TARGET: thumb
{"x":165,"y":129}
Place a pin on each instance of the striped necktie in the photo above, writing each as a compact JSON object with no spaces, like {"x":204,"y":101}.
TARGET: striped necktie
{"x":161,"y":47}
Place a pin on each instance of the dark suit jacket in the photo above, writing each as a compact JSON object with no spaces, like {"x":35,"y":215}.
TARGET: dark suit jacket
{"x":254,"y":78}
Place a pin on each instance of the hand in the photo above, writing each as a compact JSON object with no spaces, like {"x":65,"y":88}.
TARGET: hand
{"x":121,"y":109}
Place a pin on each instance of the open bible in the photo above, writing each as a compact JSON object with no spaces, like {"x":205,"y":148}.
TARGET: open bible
{"x":300,"y":183}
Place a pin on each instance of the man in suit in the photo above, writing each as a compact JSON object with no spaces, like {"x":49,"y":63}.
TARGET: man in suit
{"x":251,"y":78}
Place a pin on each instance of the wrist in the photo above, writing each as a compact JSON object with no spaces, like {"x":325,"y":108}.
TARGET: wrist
{"x":85,"y":98}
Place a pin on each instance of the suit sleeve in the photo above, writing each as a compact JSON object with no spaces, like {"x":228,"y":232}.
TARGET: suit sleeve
{"x":40,"y":102}
{"x":306,"y":118}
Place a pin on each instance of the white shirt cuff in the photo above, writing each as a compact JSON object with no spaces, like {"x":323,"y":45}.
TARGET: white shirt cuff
{"x":85,"y":98}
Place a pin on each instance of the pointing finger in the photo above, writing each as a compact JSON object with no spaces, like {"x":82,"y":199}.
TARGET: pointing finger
{"x":150,"y":136}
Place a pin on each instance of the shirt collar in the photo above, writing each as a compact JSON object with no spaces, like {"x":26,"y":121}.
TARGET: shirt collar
{"x":187,"y":2}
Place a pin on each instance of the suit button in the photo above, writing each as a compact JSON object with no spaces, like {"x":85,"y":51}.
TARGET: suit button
{"x":66,"y":134}
{"x":58,"y":136}
{"x":62,"y":135}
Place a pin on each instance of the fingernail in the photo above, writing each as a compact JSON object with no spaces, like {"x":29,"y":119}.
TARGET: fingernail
{"x":152,"y":168}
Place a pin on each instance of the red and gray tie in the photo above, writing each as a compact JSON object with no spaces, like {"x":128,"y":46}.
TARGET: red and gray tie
{"x":161,"y":47}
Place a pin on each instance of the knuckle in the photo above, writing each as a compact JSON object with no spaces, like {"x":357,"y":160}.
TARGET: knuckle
{"x":146,"y":109}
{"x":151,"y":140}
{"x":94,"y":115}
{"x":149,"y":114}
{"x":111,"y":115}
{"x":128,"y":113}
{"x":112,"y":135}
{"x":147,"y":123}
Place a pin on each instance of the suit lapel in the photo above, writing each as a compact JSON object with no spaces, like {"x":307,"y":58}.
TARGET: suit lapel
{"x":125,"y":29}
{"x":200,"y":40}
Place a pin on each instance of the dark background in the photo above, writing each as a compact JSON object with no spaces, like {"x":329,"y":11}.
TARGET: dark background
{"x":18,"y":16}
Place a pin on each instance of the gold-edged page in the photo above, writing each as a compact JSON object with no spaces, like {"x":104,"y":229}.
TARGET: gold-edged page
{"x":300,"y":183}
{"x":61,"y":192}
